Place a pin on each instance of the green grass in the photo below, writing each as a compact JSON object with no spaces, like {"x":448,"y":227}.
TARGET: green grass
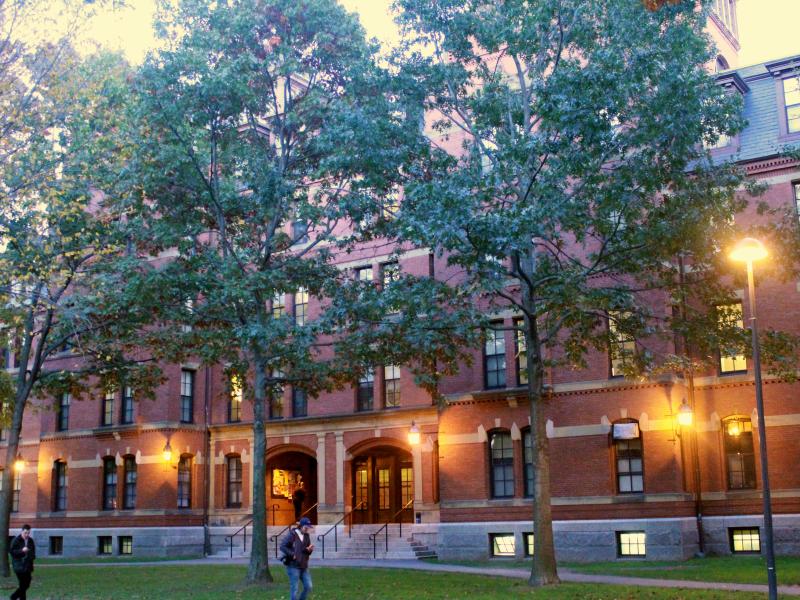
{"x":112,"y":559}
{"x":204,"y":582}
{"x":733,"y":569}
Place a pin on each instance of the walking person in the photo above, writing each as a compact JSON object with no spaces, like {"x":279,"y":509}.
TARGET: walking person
{"x":297,"y":548}
{"x":23,"y":553}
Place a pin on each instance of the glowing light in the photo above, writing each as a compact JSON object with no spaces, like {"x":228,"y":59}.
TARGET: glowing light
{"x":167,"y":452}
{"x":748,"y":250}
{"x":685,"y":415}
{"x":413,"y":434}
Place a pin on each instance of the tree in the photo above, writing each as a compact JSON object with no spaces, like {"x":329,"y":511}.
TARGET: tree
{"x":576,"y":176}
{"x":55,"y":313}
{"x":264,"y":141}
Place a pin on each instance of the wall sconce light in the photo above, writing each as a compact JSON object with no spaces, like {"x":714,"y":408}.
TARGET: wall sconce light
{"x":19,"y":463}
{"x":167,"y":452}
{"x":413,"y":434}
{"x":685,"y":415}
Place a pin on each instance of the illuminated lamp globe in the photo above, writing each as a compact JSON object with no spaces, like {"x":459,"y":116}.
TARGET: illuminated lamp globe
{"x":167,"y":452}
{"x":413,"y":434}
{"x":685,"y":415}
{"x":749,"y":250}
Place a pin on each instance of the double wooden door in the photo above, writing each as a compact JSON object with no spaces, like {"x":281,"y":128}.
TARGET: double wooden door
{"x":383,"y":488}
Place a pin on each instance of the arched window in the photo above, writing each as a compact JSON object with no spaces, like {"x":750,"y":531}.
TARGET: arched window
{"x":59,"y":485}
{"x":501,"y":464}
{"x":109,"y":483}
{"x":234,"y":481}
{"x":740,"y":457}
{"x":185,"y":481}
{"x":722,"y":64}
{"x":628,"y":456}
{"x":527,"y":464}
{"x":129,"y":481}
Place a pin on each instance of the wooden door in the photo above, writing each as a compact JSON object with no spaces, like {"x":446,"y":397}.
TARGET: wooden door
{"x":362,"y":490}
{"x":385,"y":488}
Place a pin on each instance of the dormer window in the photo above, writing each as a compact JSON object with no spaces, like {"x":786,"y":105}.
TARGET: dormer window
{"x":791,"y":101}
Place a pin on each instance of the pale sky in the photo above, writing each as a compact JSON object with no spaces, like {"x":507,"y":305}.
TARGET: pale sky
{"x":767,"y":28}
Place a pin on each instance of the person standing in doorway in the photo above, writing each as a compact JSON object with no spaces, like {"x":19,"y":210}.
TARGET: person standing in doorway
{"x":298,"y":497}
{"x":23,"y":553}
{"x":297,"y":548}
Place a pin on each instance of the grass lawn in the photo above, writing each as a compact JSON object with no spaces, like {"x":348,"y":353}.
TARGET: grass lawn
{"x":734,"y":569}
{"x":204,"y":582}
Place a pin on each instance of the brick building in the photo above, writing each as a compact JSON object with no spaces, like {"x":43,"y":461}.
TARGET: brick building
{"x":120,"y":474}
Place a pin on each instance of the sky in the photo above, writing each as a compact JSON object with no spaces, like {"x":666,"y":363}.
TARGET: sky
{"x":767,"y":28}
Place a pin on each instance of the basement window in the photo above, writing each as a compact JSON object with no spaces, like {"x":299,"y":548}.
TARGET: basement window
{"x":745,"y":540}
{"x":502,"y":544}
{"x":631,"y":544}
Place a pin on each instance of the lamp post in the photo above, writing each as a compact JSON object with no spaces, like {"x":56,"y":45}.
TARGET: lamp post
{"x":748,"y":251}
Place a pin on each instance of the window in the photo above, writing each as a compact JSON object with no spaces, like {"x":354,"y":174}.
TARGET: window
{"x":235,"y":401}
{"x":384,"y":489}
{"x":630,"y":543}
{"x":390,"y":272}
{"x":129,"y":482}
{"x":276,"y":399}
{"x":15,"y":492}
{"x":502,"y":544}
{"x":745,"y":540}
{"x":791,"y":99}
{"x":731,"y":360}
{"x":299,"y":232}
{"x":522,"y":354}
{"x":125,"y":544}
{"x":104,"y":545}
{"x":62,"y":418}
{"x":109,"y":483}
{"x":185,"y":481}
{"x":5,"y":417}
{"x":362,"y":486}
{"x":234,"y":487}
{"x":299,"y":403}
{"x":391,"y":386}
{"x":56,"y":543}
{"x":528,"y":537}
{"x":278,"y":306}
{"x":501,"y":459}
{"x":726,"y":11}
{"x":621,"y":345}
{"x":739,"y":454}
{"x":527,"y":450}
{"x":59,"y":485}
{"x":796,"y":189}
{"x":107,"y":418}
{"x":366,"y":390}
{"x":628,"y":457}
{"x":127,"y":405}
{"x":364,"y":274}
{"x":390,"y":206}
{"x":406,"y":485}
{"x":494,"y":355}
{"x":721,"y":64}
{"x":300,"y":306}
{"x":187,"y":396}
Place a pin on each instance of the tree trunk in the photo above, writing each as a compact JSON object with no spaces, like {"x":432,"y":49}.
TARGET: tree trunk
{"x":258,"y":571}
{"x":543,"y":569}
{"x":6,"y":492}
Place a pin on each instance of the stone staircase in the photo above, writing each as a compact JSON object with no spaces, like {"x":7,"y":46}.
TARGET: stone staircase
{"x":357,"y":545}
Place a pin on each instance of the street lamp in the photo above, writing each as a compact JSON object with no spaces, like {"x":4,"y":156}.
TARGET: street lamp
{"x":685,"y":414}
{"x":413,"y":434}
{"x":748,"y":251}
{"x":167,"y":452}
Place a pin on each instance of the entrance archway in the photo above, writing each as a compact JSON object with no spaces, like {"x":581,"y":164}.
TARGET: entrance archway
{"x":382,"y":485}
{"x":291,"y":485}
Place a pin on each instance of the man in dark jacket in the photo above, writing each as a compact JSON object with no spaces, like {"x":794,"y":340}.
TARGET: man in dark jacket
{"x":23,"y":553}
{"x":297,"y":547}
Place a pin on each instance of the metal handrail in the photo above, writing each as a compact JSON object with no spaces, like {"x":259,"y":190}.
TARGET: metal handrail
{"x":276,"y":537}
{"x":385,"y":528}
{"x":273,"y":508}
{"x":349,"y":513}
{"x":235,"y":533}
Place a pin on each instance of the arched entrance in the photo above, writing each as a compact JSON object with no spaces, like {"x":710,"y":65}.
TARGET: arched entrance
{"x":291,"y":485}
{"x":382,"y":485}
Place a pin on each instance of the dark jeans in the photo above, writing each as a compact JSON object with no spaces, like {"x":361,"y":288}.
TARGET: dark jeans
{"x":24,"y":583}
{"x":295,"y":576}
